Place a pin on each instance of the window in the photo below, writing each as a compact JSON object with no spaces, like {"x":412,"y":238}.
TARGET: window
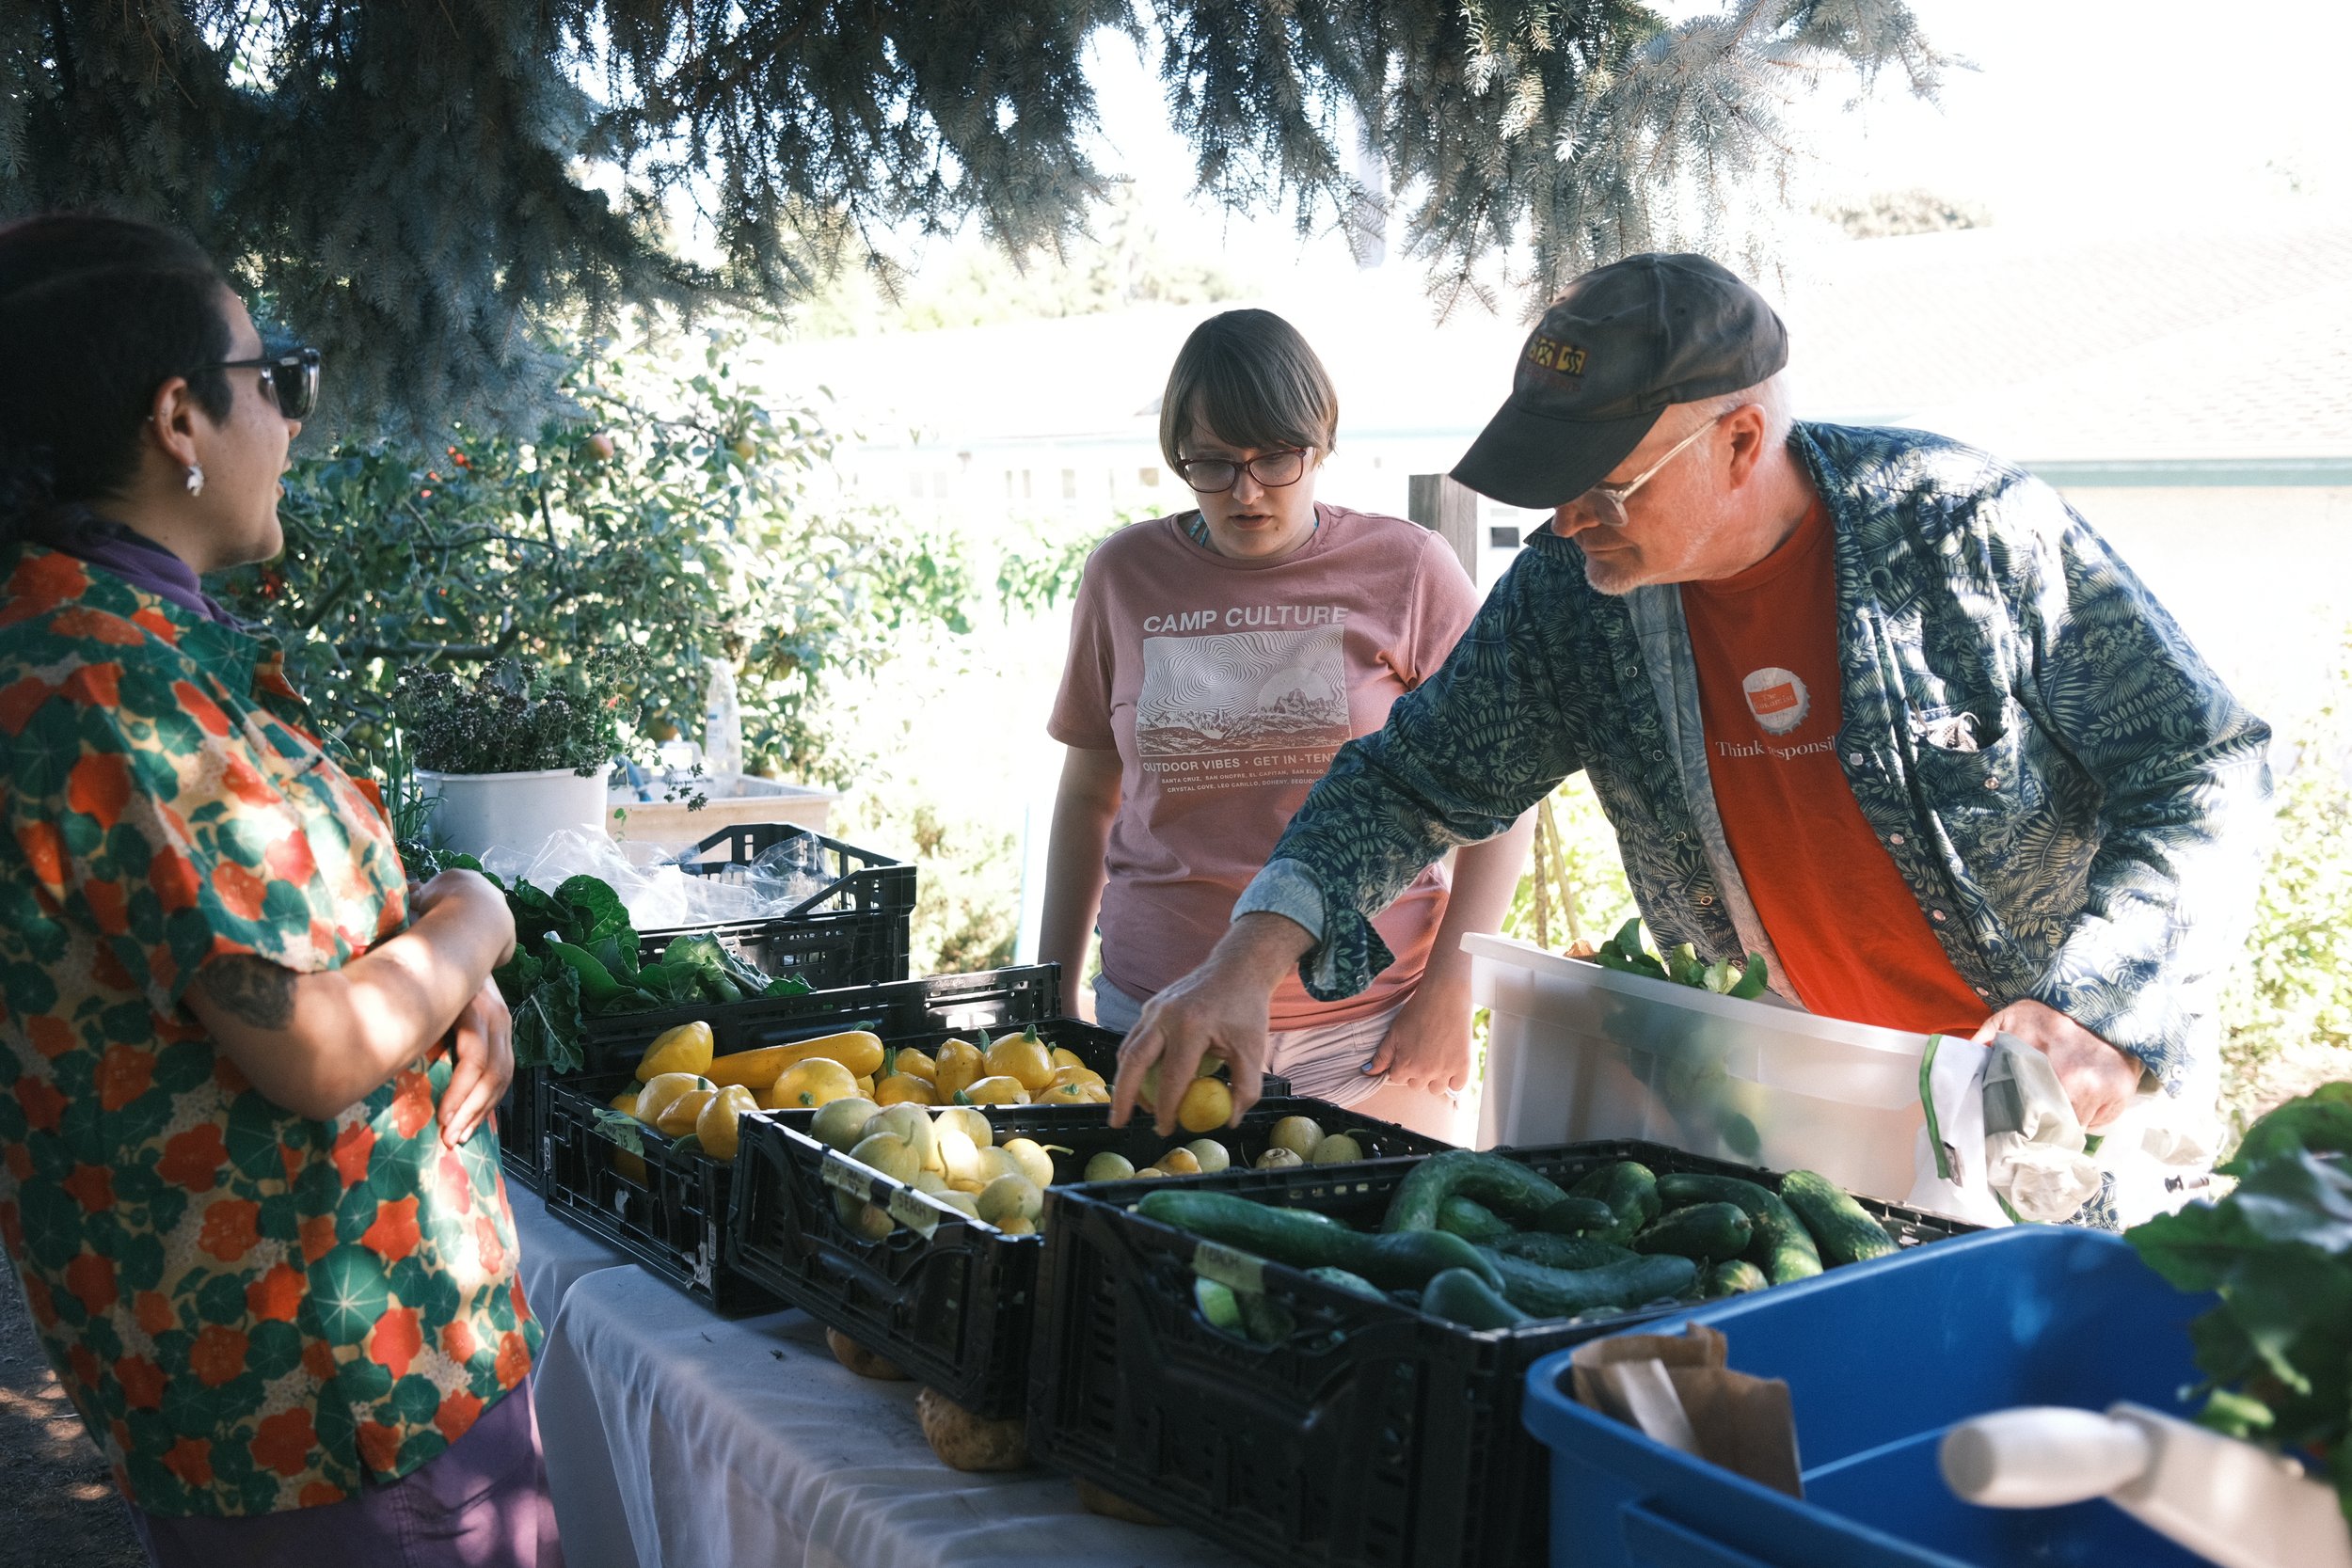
{"x":1148,"y":478}
{"x":1503,"y":538}
{"x":1070,"y":484}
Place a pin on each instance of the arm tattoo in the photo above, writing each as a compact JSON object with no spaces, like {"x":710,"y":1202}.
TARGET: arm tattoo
{"x":251,"y":990}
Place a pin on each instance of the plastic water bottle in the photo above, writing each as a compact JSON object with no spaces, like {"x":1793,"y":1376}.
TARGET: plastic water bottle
{"x":723,"y":722}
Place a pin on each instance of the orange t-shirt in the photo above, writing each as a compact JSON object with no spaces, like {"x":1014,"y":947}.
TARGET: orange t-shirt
{"x":1851,"y":938}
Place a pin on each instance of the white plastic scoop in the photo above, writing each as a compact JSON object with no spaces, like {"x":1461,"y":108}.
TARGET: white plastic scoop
{"x":2222,"y":1498}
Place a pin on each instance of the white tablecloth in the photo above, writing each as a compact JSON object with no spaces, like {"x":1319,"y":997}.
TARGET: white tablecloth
{"x":677,"y":1439}
{"x":554,"y":1256}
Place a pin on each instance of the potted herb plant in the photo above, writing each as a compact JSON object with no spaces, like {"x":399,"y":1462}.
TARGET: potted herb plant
{"x":512,"y":754}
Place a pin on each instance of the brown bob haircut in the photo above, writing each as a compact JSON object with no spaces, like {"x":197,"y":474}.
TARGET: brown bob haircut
{"x":1252,"y":382}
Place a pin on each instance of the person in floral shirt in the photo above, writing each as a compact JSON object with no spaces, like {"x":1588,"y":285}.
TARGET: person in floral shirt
{"x":247,"y":1177}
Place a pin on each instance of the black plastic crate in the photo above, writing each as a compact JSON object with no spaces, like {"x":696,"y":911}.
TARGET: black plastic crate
{"x":1374,"y":1436}
{"x":948,"y":1298}
{"x":522,"y":1127}
{"x":853,"y":932}
{"x":672,"y":1219}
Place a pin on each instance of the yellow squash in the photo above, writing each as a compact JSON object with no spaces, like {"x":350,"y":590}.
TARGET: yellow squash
{"x":959,"y":1063}
{"x":916,"y":1064}
{"x":684,"y":1049}
{"x":818,"y":1081}
{"x":1023,"y":1056}
{"x":657,"y":1094}
{"x":679,"y":1116}
{"x":1207,"y":1103}
{"x":857,"y":1049}
{"x":904,"y":1088}
{"x":1001,"y":1089}
{"x":718,"y":1126}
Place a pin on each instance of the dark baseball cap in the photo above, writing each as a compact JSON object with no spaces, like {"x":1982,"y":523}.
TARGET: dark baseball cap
{"x":1610,"y":354}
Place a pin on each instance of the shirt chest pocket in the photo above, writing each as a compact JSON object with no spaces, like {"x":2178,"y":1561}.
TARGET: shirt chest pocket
{"x":1970,"y":752}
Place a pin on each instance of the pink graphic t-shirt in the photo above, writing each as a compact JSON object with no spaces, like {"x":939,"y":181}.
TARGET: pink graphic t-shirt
{"x":1226,"y":686}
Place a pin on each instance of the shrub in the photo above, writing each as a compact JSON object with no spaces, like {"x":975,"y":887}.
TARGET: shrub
{"x":2286,"y":1012}
{"x":674,"y":514}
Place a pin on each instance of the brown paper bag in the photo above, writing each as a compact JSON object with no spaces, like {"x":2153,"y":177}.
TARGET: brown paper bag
{"x":1678,"y":1391}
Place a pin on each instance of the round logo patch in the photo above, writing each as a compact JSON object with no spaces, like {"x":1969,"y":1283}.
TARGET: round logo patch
{"x":1778,"y":699}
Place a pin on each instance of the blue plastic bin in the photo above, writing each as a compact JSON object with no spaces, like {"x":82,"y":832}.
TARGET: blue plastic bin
{"x":1882,"y":1359}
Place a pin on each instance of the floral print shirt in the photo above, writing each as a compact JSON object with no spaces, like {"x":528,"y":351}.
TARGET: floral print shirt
{"x":2074,"y":797}
{"x":252,"y":1312}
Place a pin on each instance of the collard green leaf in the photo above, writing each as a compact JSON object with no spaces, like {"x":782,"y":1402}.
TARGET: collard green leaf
{"x":2320,"y":1122}
{"x":2299,"y":1197}
{"x":621,"y":1128}
{"x":547,"y":1024}
{"x":593,"y":910}
{"x":2277,"y":1353}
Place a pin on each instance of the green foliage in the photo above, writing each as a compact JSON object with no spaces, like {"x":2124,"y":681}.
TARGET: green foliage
{"x":1042,"y":570}
{"x":2287,"y":1008}
{"x":575,"y":955}
{"x":675,"y":517}
{"x":506,"y":718}
{"x":428,"y":192}
{"x":2277,"y":1353}
{"x":1585,"y":863}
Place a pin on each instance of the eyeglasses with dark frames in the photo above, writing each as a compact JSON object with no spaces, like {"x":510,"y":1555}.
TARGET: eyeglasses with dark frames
{"x":1212,"y":476}
{"x":292,"y":378}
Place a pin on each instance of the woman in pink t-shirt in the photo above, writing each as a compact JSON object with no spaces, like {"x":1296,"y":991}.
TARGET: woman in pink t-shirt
{"x":1218,"y":661}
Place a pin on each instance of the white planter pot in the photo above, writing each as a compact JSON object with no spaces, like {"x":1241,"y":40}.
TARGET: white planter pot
{"x":478,"y":812}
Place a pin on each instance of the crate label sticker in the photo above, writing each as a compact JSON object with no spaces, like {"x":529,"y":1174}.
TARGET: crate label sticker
{"x":912,"y":1212}
{"x":847,"y":1175}
{"x":1218,"y":1262}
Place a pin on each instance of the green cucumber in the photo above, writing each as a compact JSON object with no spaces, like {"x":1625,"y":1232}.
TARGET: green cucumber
{"x":1631,"y":1190}
{"x":1563,"y":1252}
{"x":1782,"y":1246}
{"x":1733,"y":1278}
{"x":1472,"y":1220}
{"x":1843,"y":1230}
{"x":1460,"y":1296}
{"x":1403,"y":1260}
{"x":1507,"y":1187}
{"x":1353,"y":1284}
{"x":1706,"y":1232}
{"x":1544,"y":1292}
{"x":1218,"y":1305}
{"x":1266,"y":1320}
{"x":1577,"y":1216}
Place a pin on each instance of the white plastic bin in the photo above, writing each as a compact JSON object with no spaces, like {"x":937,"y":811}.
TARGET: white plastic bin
{"x":1579,"y":1053}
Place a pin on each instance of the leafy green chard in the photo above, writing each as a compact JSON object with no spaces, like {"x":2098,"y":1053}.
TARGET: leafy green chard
{"x":1625,"y":953}
{"x":576,"y":956}
{"x":2277,"y":1352}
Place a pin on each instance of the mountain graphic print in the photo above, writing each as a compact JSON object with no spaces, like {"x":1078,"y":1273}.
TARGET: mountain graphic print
{"x":1252,"y":691}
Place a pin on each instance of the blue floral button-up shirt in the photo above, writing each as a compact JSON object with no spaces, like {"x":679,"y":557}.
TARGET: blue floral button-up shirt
{"x":2093,"y":847}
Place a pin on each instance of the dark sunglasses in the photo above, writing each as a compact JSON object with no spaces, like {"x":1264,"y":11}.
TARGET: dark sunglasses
{"x":293,"y":377}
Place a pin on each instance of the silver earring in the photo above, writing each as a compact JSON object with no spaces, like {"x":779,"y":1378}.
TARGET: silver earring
{"x":195,"y":479}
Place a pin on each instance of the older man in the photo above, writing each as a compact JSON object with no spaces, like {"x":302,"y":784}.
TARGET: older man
{"x":1874,"y":705}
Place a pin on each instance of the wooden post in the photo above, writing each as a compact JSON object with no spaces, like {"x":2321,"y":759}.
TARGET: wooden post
{"x":1444,"y":505}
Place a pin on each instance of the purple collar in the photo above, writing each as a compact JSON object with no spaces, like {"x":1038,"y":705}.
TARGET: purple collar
{"x":138,"y":560}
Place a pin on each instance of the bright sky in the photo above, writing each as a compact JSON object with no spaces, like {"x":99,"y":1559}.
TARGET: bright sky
{"x":2122,"y":113}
